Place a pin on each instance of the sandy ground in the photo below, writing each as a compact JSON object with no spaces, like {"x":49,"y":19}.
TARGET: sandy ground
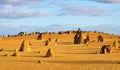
{"x":68,"y":56}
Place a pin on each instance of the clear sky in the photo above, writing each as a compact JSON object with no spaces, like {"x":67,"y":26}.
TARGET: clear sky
{"x":39,"y":15}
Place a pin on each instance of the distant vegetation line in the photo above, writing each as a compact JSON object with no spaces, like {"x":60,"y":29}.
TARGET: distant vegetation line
{"x":56,"y":28}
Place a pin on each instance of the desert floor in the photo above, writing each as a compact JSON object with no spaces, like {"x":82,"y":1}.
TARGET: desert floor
{"x":68,"y":56}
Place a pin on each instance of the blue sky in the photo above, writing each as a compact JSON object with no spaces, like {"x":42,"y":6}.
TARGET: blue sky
{"x":49,"y":15}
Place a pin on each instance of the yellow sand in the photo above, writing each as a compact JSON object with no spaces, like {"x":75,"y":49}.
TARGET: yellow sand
{"x":67,"y":55}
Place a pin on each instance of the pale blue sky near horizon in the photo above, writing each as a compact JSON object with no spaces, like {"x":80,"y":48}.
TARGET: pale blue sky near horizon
{"x":34,"y":14}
